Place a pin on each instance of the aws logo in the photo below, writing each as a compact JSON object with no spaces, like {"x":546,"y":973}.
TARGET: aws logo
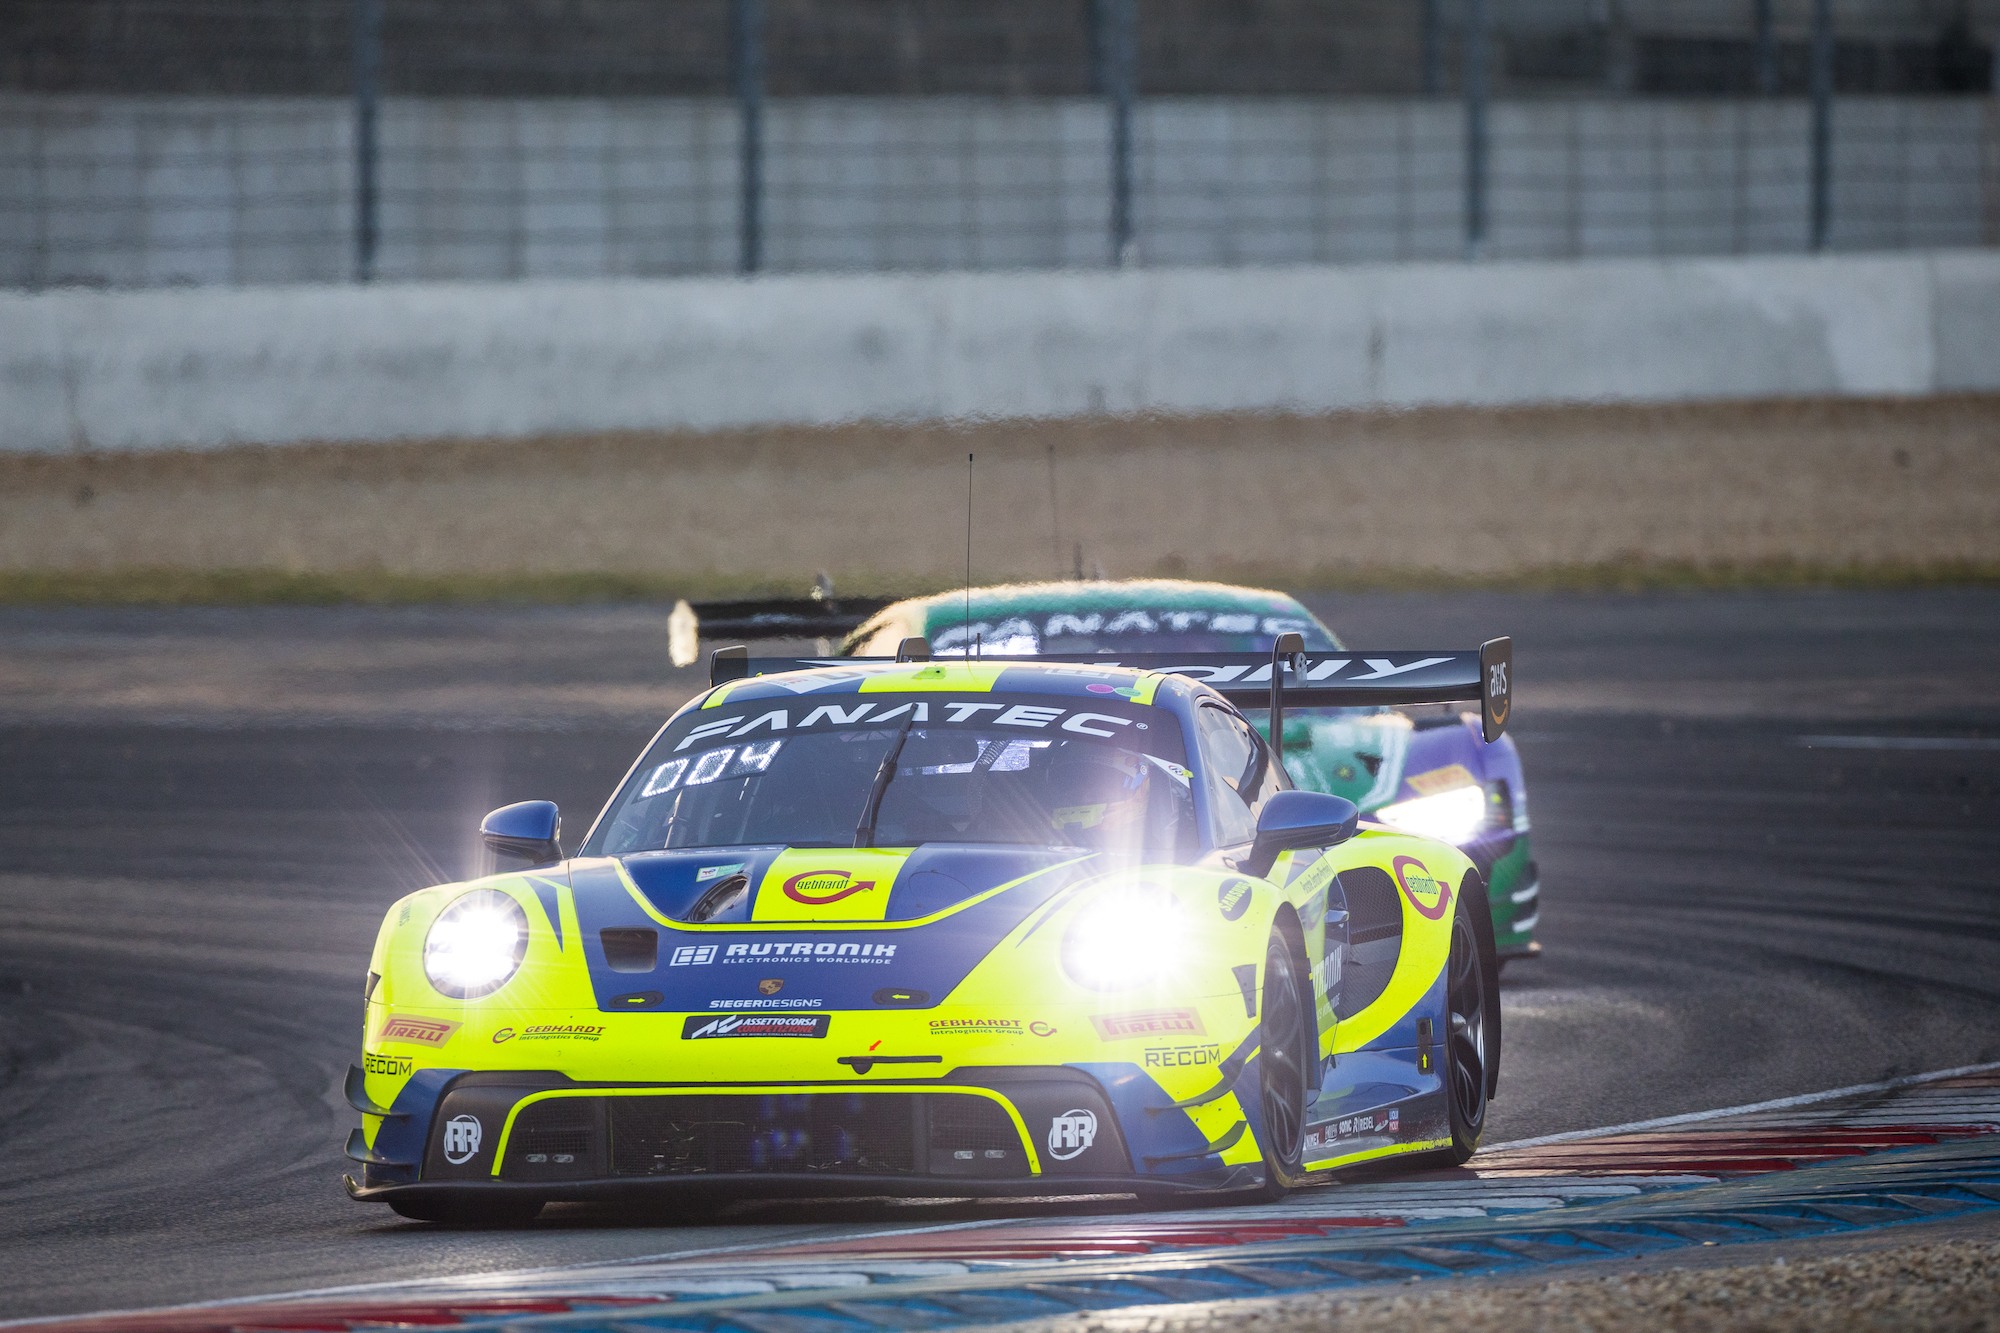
{"x":817,"y":888}
{"x":1430,"y":896}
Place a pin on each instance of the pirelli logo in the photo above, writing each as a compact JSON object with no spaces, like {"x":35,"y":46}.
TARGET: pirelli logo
{"x":1148,"y":1023}
{"x":418,"y":1031}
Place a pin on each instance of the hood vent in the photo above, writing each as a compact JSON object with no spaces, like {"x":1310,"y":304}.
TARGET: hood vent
{"x":630,"y":948}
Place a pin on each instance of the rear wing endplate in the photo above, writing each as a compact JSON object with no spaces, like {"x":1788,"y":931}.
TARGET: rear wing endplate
{"x":1362,"y":678}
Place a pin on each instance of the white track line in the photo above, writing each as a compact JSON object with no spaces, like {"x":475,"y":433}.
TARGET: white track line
{"x":1900,"y":742}
{"x":1776,"y":1104}
{"x":450,"y":1283}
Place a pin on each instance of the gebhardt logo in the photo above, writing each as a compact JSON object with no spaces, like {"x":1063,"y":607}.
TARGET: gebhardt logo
{"x":817,"y":888}
{"x":976,"y":1027}
{"x":551,"y":1032}
{"x":1418,"y":885}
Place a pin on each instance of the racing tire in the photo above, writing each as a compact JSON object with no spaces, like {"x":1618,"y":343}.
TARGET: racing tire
{"x":469,"y":1212}
{"x":1469,"y":1028}
{"x":1286,"y":1054}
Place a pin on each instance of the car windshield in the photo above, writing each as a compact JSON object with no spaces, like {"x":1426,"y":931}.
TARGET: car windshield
{"x":1133,"y":630}
{"x":1127,"y":789}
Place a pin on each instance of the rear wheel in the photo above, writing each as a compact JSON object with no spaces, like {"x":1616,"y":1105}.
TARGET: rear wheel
{"x":480,"y":1212}
{"x":1286,"y":1053}
{"x":1466,"y":1028}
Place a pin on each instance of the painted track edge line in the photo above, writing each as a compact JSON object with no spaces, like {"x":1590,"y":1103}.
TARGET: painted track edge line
{"x":1886,"y":1085}
{"x":361,"y":1288}
{"x":1775,"y":1104}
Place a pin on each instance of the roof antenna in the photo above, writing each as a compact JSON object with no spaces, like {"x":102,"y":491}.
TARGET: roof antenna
{"x":968,"y":551}
{"x":1055,"y":516}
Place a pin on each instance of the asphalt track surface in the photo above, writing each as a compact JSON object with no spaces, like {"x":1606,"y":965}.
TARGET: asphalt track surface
{"x":1730,"y":913}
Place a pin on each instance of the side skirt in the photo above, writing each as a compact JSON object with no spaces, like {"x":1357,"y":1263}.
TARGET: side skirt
{"x":1411,"y":1125}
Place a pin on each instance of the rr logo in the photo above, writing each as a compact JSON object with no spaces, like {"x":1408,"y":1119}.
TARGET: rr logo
{"x":461,"y":1139}
{"x":1071,"y":1133}
{"x":692,"y":955}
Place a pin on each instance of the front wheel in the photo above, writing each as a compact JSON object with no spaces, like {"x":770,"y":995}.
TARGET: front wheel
{"x":1287,"y":1051}
{"x":1466,"y":1044}
{"x":477,"y":1212}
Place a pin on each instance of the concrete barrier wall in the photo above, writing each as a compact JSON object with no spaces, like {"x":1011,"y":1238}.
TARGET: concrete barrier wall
{"x":212,"y":367}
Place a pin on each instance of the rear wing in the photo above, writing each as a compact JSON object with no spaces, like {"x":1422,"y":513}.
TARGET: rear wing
{"x":821,"y":617}
{"x":1364,"y":678}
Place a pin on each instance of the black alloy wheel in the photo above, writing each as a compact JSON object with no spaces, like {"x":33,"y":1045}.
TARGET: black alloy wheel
{"x":1465,"y":1050}
{"x":1286,"y":1053}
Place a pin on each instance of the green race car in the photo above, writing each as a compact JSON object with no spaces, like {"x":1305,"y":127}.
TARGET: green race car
{"x":1429,"y":774}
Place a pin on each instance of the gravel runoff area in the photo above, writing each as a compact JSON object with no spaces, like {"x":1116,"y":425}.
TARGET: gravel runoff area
{"x":1907,"y":485}
{"x":1878,"y":1282}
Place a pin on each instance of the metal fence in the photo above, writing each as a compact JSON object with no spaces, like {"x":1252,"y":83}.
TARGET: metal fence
{"x":147,"y":142}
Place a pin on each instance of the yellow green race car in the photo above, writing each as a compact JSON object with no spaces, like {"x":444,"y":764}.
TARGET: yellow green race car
{"x":965,"y":927}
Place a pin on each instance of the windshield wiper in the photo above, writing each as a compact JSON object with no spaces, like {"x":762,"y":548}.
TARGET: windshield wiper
{"x":864,"y":832}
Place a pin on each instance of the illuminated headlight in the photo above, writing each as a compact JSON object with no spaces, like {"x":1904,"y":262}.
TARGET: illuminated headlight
{"x":1453,"y":816}
{"x":1124,"y":939}
{"x":476,"y":945}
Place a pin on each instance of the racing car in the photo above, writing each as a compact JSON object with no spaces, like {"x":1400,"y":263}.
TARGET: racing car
{"x":1429,"y":774}
{"x":970,"y":927}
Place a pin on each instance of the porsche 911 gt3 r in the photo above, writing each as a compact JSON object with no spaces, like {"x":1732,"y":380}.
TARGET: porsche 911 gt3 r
{"x":972,"y":927}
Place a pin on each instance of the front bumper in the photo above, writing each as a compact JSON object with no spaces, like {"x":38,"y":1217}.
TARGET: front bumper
{"x":1513,"y":891}
{"x":989,"y":1132}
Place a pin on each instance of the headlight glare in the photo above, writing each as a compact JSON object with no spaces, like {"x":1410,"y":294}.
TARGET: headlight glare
{"x":476,"y":945}
{"x":1125,"y":938}
{"x":1454,"y":816}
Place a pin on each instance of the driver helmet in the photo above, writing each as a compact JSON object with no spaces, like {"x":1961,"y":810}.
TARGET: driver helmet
{"x":1097,"y":793}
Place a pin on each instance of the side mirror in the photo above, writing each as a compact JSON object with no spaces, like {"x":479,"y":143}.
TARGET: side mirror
{"x":531,"y":830}
{"x":1296,"y":819}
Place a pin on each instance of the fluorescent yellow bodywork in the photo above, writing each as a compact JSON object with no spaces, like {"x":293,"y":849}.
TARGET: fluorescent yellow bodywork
{"x":1045,"y":1018}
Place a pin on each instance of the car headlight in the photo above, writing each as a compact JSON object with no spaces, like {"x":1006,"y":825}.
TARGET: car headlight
{"x":1454,"y":816}
{"x":476,"y":945}
{"x":1125,"y":938}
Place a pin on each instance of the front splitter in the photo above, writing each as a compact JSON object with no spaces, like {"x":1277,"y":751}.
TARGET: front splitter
{"x":809,"y":1185}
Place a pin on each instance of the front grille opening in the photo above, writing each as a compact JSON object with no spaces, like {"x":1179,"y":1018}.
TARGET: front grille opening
{"x":555,"y":1138}
{"x":971,"y":1124}
{"x":630,"y":948}
{"x":868,"y":1133}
